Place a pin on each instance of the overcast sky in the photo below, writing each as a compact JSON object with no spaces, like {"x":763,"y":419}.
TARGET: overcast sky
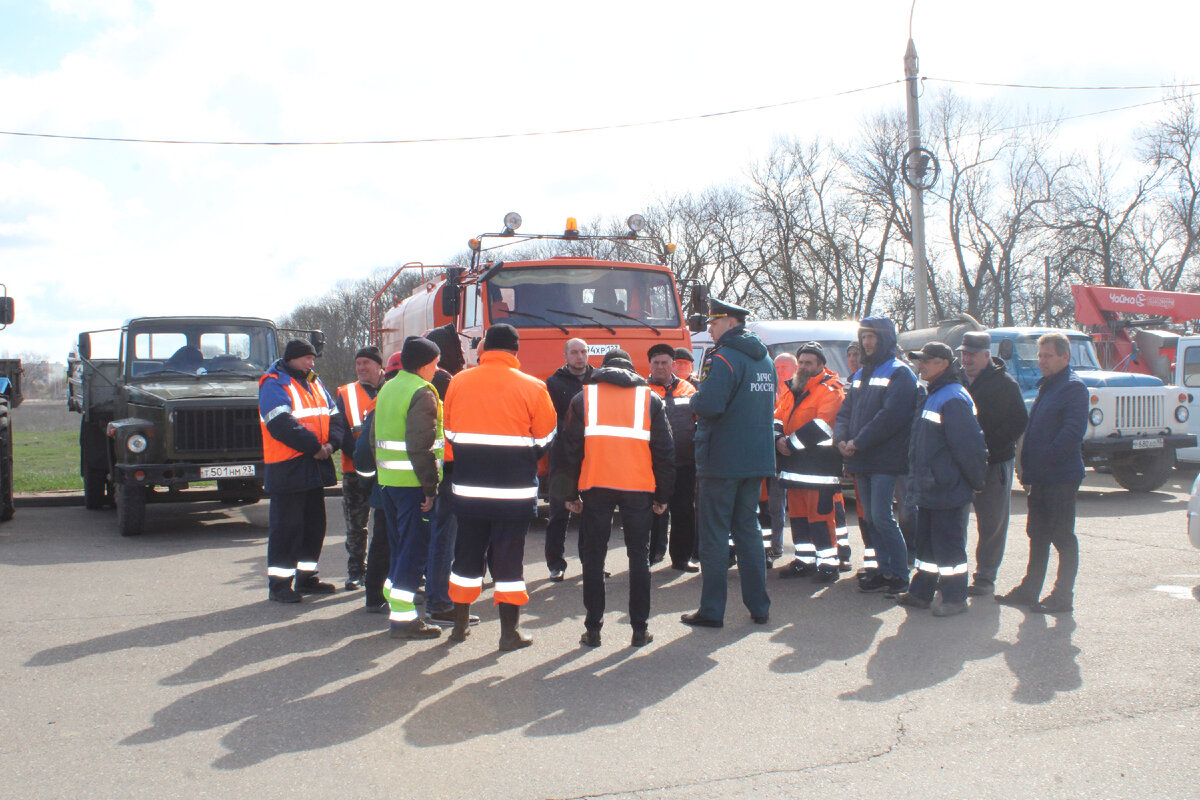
{"x":92,"y":233}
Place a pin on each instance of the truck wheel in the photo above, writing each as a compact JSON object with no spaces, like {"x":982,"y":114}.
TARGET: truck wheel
{"x":131,"y":509}
{"x":1143,"y":472}
{"x":6,"y":462}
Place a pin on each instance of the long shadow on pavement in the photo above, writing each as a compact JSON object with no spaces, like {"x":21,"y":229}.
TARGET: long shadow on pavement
{"x":1043,"y":659}
{"x":830,"y":625}
{"x":926,"y":650}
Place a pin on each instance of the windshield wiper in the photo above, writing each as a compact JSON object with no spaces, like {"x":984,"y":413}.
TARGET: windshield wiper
{"x":167,"y":371}
{"x":613,"y":331}
{"x":643,"y":323}
{"x":227,"y":371}
{"x":562,"y":328}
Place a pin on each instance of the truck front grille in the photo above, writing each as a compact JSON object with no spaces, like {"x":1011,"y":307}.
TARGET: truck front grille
{"x":208,"y":430}
{"x":1140,"y":412}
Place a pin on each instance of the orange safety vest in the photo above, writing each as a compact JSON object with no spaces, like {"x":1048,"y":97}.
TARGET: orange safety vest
{"x":358,"y":404}
{"x":308,"y":404}
{"x":616,"y":438}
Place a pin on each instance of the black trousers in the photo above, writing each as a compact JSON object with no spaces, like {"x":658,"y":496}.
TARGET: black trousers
{"x":379,"y":559}
{"x":356,"y":508}
{"x":1051,"y":521}
{"x":594,"y":529}
{"x":296,"y":534}
{"x":681,"y":517}
{"x":556,"y":537}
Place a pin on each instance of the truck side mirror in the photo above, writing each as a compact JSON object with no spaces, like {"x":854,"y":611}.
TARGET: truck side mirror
{"x":451,"y":291}
{"x":317,"y":339}
{"x":699,"y":302}
{"x":697,"y":323}
{"x":1006,"y":349}
{"x":85,"y":345}
{"x":6,"y":310}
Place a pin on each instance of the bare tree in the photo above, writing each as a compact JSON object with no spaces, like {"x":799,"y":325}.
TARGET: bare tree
{"x":1170,"y":232}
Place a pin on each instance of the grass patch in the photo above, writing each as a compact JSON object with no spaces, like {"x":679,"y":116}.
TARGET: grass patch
{"x":46,"y":460}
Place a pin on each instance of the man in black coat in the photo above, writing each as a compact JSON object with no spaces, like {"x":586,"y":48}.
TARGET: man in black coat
{"x":563,"y":385}
{"x":1002,"y":415}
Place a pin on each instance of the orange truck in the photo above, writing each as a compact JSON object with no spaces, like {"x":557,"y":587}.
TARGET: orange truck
{"x":627,"y":304}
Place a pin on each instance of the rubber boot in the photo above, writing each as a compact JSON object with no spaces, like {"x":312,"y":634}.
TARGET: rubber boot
{"x":510,"y":637}
{"x":462,"y":621}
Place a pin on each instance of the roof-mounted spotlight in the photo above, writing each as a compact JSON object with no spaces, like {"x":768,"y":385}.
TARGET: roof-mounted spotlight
{"x":636,"y":223}
{"x":572,"y":230}
{"x":512,"y":221}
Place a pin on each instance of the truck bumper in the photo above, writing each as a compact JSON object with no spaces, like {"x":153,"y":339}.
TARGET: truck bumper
{"x":1101,"y":450}
{"x":183,"y":473}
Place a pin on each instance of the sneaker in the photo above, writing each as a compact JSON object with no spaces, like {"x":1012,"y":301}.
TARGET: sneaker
{"x":641,"y":638}
{"x":416,"y":629}
{"x":895,"y":587}
{"x":981,"y":587}
{"x":284,"y":594}
{"x":795,"y":569}
{"x":354,"y":582}
{"x":314,"y":586}
{"x":873,"y":582}
{"x":824,"y":576}
{"x":446,"y":618}
{"x":950,"y":609}
{"x":590,"y":639}
{"x":912,"y":601}
{"x":556,"y":575}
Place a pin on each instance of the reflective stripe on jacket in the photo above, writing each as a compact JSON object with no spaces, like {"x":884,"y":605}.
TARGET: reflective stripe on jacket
{"x":616,"y":438}
{"x":500,"y":421}
{"x":805,"y":415}
{"x":309,"y":403}
{"x":356,"y":404}
{"x":408,"y":438}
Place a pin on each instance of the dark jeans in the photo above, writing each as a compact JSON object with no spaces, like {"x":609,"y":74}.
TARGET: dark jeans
{"x":296,"y":534}
{"x":875,"y":492}
{"x":441,"y":551}
{"x":681,"y":516}
{"x":726,"y":507}
{"x":941,"y":552}
{"x":356,"y":509}
{"x":1051,"y":521}
{"x":408,"y":536}
{"x":594,"y":529}
{"x":991,"y":518}
{"x":556,"y":537}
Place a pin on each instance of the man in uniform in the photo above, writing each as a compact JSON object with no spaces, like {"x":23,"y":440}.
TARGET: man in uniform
{"x":947,"y":466}
{"x":355,"y":401}
{"x":563,"y":386}
{"x":735,"y":450}
{"x":1002,"y":416}
{"x":872,"y":434}
{"x":407,"y":433}
{"x":685,"y":364}
{"x":500,"y":421}
{"x":1052,"y":469}
{"x":299,"y":421}
{"x":616,"y":453}
{"x":811,"y":467}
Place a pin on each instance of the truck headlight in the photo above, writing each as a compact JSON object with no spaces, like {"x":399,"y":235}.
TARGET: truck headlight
{"x":1181,"y":414}
{"x":136,"y":443}
{"x":1096,"y":416}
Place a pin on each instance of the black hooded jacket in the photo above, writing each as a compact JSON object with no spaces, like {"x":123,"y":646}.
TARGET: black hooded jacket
{"x":1001,"y":410}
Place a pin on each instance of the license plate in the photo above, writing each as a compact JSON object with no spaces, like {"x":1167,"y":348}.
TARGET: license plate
{"x":231,"y":471}
{"x":1147,"y":444}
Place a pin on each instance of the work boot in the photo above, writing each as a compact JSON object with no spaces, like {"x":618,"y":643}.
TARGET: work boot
{"x":589,"y":638}
{"x":280,"y":590}
{"x":950,"y":609}
{"x":462,"y":622}
{"x":795,"y":569}
{"x":510,"y":637}
{"x":309,"y":583}
{"x":448,"y":618}
{"x":1054,"y":604}
{"x":414,"y":629}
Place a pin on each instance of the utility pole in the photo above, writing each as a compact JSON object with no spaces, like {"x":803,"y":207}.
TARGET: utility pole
{"x":915,"y":167}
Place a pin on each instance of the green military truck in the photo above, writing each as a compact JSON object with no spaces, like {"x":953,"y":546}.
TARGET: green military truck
{"x":10,"y":398}
{"x":177,"y":406}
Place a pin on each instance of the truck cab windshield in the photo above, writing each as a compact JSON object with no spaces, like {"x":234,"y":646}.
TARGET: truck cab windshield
{"x":1025,"y":357}
{"x":199,"y":350}
{"x":535,"y":298}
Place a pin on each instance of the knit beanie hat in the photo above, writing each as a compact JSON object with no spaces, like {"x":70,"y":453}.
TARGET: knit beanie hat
{"x":417,"y":352}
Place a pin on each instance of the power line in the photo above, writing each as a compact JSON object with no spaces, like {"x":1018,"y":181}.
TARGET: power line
{"x":477,"y":138}
{"x":1064,"y":88}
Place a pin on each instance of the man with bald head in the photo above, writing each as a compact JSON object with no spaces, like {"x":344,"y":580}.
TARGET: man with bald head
{"x":563,"y":385}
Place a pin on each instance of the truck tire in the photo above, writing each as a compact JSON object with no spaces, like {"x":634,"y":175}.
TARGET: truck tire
{"x":1143,"y":472}
{"x":6,"y":462}
{"x":131,"y":509}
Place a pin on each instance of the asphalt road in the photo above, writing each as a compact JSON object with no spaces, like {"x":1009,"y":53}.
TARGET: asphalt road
{"x":154,"y":667}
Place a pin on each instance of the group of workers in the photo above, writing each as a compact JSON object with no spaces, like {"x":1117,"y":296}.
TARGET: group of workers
{"x":703,"y":465}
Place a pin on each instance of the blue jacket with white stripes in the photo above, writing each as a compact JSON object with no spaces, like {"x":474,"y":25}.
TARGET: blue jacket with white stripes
{"x":878,"y":410}
{"x":303,"y":472}
{"x":947,"y":453}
